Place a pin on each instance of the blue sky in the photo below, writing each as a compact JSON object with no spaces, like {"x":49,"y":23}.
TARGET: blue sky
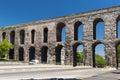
{"x":14,"y":12}
{"x":22,"y":11}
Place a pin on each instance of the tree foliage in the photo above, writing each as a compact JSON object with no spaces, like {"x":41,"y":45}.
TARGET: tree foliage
{"x":99,"y":61}
{"x":5,"y":46}
{"x":118,"y":53}
{"x":79,"y":57}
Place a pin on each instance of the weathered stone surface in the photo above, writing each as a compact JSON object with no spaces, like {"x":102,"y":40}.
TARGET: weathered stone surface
{"x":110,"y":16}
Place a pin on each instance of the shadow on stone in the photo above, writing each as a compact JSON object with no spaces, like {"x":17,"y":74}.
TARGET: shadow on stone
{"x":116,"y":72}
{"x":53,"y":79}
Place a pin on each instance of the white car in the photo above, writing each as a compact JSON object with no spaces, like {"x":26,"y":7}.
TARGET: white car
{"x":34,"y":61}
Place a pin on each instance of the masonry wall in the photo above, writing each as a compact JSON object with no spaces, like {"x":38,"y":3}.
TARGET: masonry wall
{"x":110,"y":16}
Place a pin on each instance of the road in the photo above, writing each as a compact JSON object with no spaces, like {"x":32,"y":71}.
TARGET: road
{"x":48,"y":72}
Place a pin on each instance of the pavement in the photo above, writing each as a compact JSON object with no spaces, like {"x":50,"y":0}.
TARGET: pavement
{"x":112,"y":75}
{"x":56,"y":72}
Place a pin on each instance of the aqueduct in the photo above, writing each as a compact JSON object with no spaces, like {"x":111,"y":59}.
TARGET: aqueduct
{"x":42,"y":40}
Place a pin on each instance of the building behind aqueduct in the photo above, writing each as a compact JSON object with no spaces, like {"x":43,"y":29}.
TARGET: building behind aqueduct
{"x":42,"y":39}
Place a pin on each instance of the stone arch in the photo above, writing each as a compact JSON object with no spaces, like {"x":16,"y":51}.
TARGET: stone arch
{"x":59,"y":54}
{"x":11,"y":54}
{"x":44,"y":54}
{"x":12,"y":37}
{"x":118,"y":27}
{"x":31,"y":53}
{"x":94,"y":49}
{"x":75,"y":52}
{"x":22,"y":36}
{"x":59,"y":29}
{"x":77,"y":26}
{"x":32,"y":36}
{"x":3,"y":35}
{"x":45,"y":33}
{"x":21,"y":54}
{"x":95,"y":33}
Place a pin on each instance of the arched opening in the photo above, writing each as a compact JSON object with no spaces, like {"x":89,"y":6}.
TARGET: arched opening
{"x":45,"y":39}
{"x":32,"y":36}
{"x":44,"y":52}
{"x":99,"y":55}
{"x":78,"y":31}
{"x":12,"y":37}
{"x":3,"y":35}
{"x":78,"y":54}
{"x":61,"y":32}
{"x":118,"y":27}
{"x":11,"y":54}
{"x":21,"y":54}
{"x":98,"y":29}
{"x":118,"y":55}
{"x":22,"y":36}
{"x":60,"y":54}
{"x":31,"y":53}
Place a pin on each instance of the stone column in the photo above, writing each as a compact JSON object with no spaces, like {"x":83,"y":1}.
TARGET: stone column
{"x":27,"y":44}
{"x":87,"y":40}
{"x":68,"y":45}
{"x":110,"y":35}
{"x":16,"y":43}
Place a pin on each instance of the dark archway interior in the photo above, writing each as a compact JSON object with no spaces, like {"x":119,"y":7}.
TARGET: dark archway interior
{"x":22,"y":37}
{"x":3,"y":35}
{"x":32,"y":36}
{"x":44,"y":52}
{"x":31,"y":53}
{"x":45,"y":35}
{"x":11,"y":54}
{"x":59,"y":29}
{"x":76,"y":31}
{"x":58,"y":54}
{"x":21,"y":54}
{"x":12,"y":37}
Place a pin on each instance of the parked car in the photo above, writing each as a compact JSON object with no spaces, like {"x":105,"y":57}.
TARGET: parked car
{"x":34,"y":61}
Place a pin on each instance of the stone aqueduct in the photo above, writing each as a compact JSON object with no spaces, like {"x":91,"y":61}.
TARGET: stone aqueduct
{"x":42,"y":39}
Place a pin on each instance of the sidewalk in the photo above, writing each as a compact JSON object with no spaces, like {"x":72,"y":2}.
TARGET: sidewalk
{"x":40,"y":67}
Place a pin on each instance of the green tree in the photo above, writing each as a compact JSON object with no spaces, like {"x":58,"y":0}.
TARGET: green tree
{"x":99,"y":61}
{"x":5,"y":46}
{"x":79,"y":57}
{"x":118,"y":53}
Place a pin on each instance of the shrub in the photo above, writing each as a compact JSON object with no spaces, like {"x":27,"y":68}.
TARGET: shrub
{"x":99,"y":61}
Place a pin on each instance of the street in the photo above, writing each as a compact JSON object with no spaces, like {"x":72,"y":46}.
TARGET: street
{"x":48,"y":72}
